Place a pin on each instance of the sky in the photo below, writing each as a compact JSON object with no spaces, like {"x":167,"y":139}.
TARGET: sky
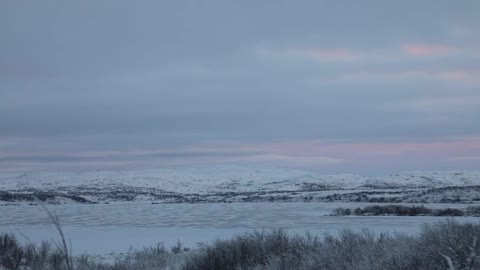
{"x":330,"y":86}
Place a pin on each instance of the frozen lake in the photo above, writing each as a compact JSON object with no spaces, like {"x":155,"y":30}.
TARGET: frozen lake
{"x":106,"y":228}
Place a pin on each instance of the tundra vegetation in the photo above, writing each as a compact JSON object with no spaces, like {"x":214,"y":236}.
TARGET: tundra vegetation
{"x":444,"y":245}
{"x":403,"y":210}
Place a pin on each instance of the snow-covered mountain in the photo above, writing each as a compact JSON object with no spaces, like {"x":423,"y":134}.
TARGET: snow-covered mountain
{"x":215,"y":180}
{"x":231,"y":178}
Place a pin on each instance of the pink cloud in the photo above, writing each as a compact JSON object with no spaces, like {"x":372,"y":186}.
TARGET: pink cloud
{"x":426,"y":49}
{"x":470,"y":77}
{"x":334,"y":153}
{"x":325,"y":154}
{"x":467,"y":158}
{"x":467,"y":77}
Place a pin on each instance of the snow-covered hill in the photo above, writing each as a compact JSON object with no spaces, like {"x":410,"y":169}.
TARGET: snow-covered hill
{"x":215,"y":180}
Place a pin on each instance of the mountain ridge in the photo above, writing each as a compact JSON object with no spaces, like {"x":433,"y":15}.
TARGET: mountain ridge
{"x":221,"y":183}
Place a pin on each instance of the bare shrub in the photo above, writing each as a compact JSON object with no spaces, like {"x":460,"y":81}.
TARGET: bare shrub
{"x":347,"y":250}
{"x":402,"y":210}
{"x":11,"y":252}
{"x":453,"y":240}
{"x":444,"y":245}
{"x":473,"y":211}
{"x":250,"y":250}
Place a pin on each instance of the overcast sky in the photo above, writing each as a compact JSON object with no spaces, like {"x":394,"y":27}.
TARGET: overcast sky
{"x":347,"y":86}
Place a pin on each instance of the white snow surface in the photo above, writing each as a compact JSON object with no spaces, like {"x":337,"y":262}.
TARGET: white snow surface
{"x":233,"y":178}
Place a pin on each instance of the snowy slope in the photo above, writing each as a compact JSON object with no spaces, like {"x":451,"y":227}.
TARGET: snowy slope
{"x":218,"y":179}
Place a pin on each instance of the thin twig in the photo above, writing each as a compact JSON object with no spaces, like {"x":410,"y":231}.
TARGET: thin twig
{"x":449,"y":261}
{"x":63,"y":247}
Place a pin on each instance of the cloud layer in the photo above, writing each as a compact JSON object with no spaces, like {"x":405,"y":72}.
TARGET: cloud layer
{"x":113,"y":84}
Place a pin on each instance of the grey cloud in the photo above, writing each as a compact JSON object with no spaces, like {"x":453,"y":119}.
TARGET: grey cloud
{"x":116,"y":74}
{"x":121,"y":156}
